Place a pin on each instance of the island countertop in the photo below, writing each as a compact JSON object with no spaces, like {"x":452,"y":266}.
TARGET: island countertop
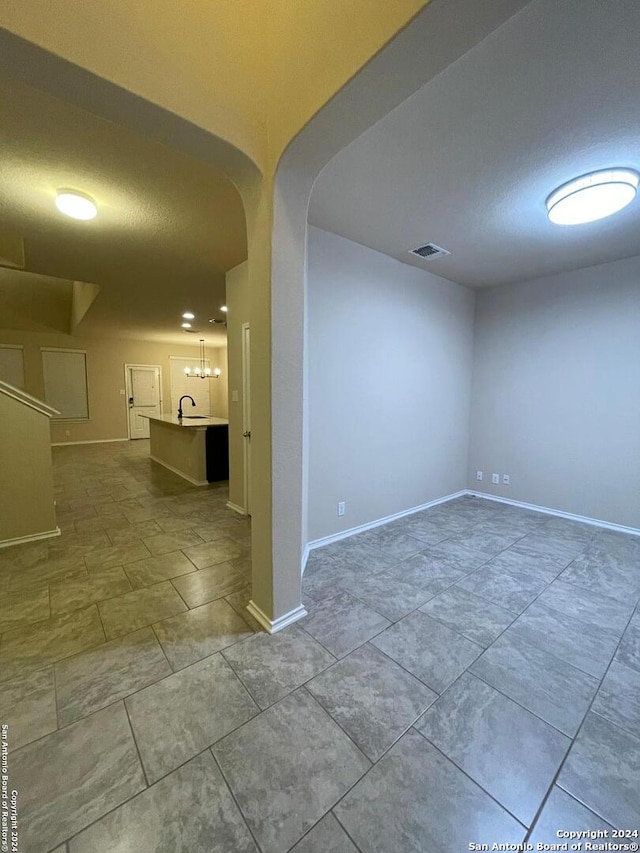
{"x":188,"y":421}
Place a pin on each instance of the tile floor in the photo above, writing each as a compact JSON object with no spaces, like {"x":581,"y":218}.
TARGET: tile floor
{"x":468,"y":674}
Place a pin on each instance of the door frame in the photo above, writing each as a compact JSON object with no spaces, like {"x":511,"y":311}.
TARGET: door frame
{"x":128,"y":391}
{"x":246,"y":414}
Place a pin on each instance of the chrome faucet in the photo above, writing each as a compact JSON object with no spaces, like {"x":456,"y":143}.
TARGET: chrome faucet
{"x":184,"y":397}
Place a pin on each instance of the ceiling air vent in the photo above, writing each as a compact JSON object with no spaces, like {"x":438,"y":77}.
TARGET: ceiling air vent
{"x":429,"y":252}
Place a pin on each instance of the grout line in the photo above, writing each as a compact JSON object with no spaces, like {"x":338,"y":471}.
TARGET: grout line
{"x":233,"y":796}
{"x":574,"y":739}
{"x":475,"y":782}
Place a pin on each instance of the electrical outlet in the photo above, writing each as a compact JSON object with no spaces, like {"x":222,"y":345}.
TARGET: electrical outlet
{"x":342,"y":507}
{"x":495,"y":479}
{"x":479,"y":475}
{"x":122,"y":392}
{"x":67,"y":433}
{"x":506,"y":479}
{"x":234,"y":396}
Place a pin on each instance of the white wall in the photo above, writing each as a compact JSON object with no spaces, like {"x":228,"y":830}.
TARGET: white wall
{"x":389,"y":381}
{"x":556,"y":391}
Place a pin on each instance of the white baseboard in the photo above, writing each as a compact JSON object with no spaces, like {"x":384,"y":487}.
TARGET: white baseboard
{"x":596,"y":522}
{"x":94,"y":441}
{"x":352,"y":531}
{"x":240,"y":510}
{"x":184,"y":476}
{"x":33,"y":537}
{"x":273,"y":627}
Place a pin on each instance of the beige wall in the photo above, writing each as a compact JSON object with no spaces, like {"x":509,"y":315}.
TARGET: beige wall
{"x":219,"y":388}
{"x":26,"y":497}
{"x":556,"y":392}
{"x":390,"y":362}
{"x":106,"y":358}
{"x":237,"y":314}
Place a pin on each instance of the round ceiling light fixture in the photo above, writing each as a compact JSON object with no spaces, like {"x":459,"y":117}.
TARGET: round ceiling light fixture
{"x":188,"y":316}
{"x":223,"y":308}
{"x":186,"y":325}
{"x":592,"y":196}
{"x":75,"y":204}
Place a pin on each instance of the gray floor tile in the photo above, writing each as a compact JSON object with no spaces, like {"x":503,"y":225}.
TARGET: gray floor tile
{"x":159,"y":568}
{"x":280,"y":796}
{"x":428,"y":649}
{"x":208,"y":584}
{"x":606,"y":574}
{"x":618,"y":699}
{"x":485,"y":540}
{"x":211,"y":553}
{"x":511,"y":589}
{"x":426,"y":571}
{"x":553,"y":690}
{"x":272,"y":665}
{"x":25,"y":582}
{"x":394,"y":543}
{"x":133,"y":532}
{"x":354,"y":553}
{"x":505,"y":749}
{"x":76,"y":594}
{"x":457,"y":555}
{"x":117,"y":555}
{"x":390,"y":595}
{"x":165,"y":543}
{"x":582,"y":645}
{"x":327,"y":836}
{"x":373,"y":699}
{"x":551,"y":548}
{"x":91,"y":680}
{"x":414,"y":800}
{"x":473,"y":617}
{"x":420,"y":527}
{"x":320,"y":584}
{"x":24,"y":650}
{"x":239,"y":601}
{"x":343,"y":623}
{"x":71,"y":778}
{"x":178,"y":717}
{"x":24,"y":609}
{"x":603,"y":772}
{"x":28,"y":707}
{"x":629,"y":650}
{"x":196,"y":634}
{"x":562,"y":812}
{"x":202,"y":817}
{"x":134,"y":610}
{"x":587,"y":606}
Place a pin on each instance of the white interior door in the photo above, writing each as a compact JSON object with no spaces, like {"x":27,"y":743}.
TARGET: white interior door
{"x":246,"y":412}
{"x":144,"y":398}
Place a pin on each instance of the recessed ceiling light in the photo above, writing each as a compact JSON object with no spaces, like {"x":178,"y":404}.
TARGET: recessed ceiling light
{"x":186,"y":325}
{"x":188,"y":315}
{"x":223,"y":308}
{"x":75,"y":204}
{"x":592,"y":196}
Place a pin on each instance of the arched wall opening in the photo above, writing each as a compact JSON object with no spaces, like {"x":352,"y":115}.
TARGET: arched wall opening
{"x":436,"y":37}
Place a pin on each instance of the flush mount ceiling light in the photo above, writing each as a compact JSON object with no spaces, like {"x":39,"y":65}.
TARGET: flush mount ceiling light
{"x":75,"y":204}
{"x":223,"y":308}
{"x":188,"y":316}
{"x":592,"y":196}
{"x":186,"y":325}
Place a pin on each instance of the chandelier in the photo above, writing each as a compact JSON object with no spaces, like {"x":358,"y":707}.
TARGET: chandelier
{"x":202,"y":371}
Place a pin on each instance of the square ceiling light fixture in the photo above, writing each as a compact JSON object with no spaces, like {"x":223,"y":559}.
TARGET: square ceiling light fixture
{"x":592,"y":196}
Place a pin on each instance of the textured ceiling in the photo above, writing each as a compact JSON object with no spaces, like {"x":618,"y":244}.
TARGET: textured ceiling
{"x":167,"y":230}
{"x":468,"y":161}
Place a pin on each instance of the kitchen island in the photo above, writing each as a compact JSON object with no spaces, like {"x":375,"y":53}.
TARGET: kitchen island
{"x":195,"y":446}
